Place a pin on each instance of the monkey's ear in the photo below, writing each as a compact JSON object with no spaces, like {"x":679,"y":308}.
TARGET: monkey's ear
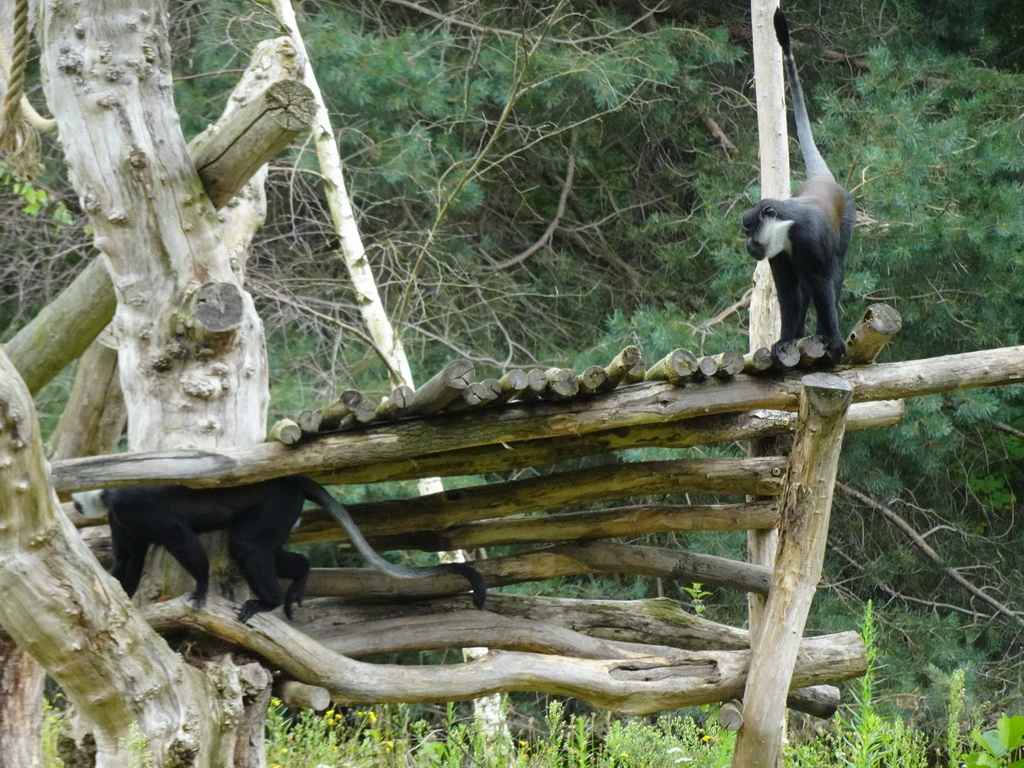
{"x":769,"y":212}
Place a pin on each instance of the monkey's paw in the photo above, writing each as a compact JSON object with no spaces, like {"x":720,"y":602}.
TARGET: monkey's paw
{"x":835,"y":352}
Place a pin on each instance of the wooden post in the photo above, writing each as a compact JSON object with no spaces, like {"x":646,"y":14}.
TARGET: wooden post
{"x":770,"y":91}
{"x":806,"y":504}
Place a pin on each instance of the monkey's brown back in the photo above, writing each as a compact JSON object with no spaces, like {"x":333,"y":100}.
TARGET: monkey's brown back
{"x":822,"y":192}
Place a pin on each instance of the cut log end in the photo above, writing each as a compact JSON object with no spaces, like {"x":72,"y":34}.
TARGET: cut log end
{"x":218,"y":307}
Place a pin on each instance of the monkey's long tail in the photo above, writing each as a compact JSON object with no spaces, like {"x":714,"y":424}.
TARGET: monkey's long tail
{"x":812,"y":157}
{"x":318,"y":494}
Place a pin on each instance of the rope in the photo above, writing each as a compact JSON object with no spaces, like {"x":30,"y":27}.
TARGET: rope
{"x":17,"y":138}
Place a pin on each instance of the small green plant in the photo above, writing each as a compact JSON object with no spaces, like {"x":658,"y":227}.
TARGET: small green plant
{"x":668,"y":741}
{"x":862,"y":735}
{"x":53,"y":722}
{"x":35,"y":198}
{"x":698,"y":595}
{"x":992,"y":491}
{"x":1002,"y":747}
{"x":866,"y":739}
{"x":139,"y":755}
{"x":954,"y":737}
{"x":308,"y":738}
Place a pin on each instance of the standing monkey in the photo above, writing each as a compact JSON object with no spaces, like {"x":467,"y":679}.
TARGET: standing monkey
{"x":805,"y":238}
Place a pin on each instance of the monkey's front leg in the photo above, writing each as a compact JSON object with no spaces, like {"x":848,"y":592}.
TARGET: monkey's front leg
{"x":184,"y":546}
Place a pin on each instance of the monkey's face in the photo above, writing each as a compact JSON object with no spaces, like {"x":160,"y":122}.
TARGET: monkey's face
{"x":767,"y":232}
{"x":89,"y":503}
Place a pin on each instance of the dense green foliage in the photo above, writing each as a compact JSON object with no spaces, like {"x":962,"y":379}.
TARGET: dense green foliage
{"x":462,"y":128}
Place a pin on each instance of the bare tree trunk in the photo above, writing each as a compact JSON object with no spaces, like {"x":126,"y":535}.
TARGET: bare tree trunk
{"x":21,"y":696}
{"x":61,"y":608}
{"x":193,"y":372}
{"x":91,"y":425}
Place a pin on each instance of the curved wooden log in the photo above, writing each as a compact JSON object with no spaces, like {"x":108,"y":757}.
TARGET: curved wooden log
{"x":630,"y":686}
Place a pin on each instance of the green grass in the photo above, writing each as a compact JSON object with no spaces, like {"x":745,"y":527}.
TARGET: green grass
{"x":386,"y":736}
{"x":390,"y":737}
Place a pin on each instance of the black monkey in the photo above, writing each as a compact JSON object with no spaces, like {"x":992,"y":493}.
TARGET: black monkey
{"x":258,"y":518}
{"x":805,"y":237}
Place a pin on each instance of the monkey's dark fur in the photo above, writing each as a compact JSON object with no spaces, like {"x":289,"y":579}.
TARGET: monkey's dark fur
{"x":805,"y":237}
{"x":258,"y":519}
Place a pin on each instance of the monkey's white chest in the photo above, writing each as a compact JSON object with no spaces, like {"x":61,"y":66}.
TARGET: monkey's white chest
{"x":774,"y":237}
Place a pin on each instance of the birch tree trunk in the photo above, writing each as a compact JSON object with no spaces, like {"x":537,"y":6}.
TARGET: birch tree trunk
{"x":371,"y":307}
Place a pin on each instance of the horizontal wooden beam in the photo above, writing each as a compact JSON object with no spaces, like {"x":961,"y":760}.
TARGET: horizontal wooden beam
{"x":438,"y":511}
{"x":632,"y":521}
{"x":549,"y":563}
{"x":368,"y":455}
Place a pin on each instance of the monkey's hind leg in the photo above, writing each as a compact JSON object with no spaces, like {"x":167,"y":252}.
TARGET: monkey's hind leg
{"x":295,"y":568}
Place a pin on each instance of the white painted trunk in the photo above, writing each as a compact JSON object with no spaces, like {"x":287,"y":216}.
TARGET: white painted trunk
{"x":388,"y":343}
{"x":765,"y":319}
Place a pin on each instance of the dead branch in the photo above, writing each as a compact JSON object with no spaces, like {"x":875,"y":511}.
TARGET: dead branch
{"x":931,"y":604}
{"x":719,"y":135}
{"x":563,"y":198}
{"x":1009,"y":430}
{"x":918,"y":541}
